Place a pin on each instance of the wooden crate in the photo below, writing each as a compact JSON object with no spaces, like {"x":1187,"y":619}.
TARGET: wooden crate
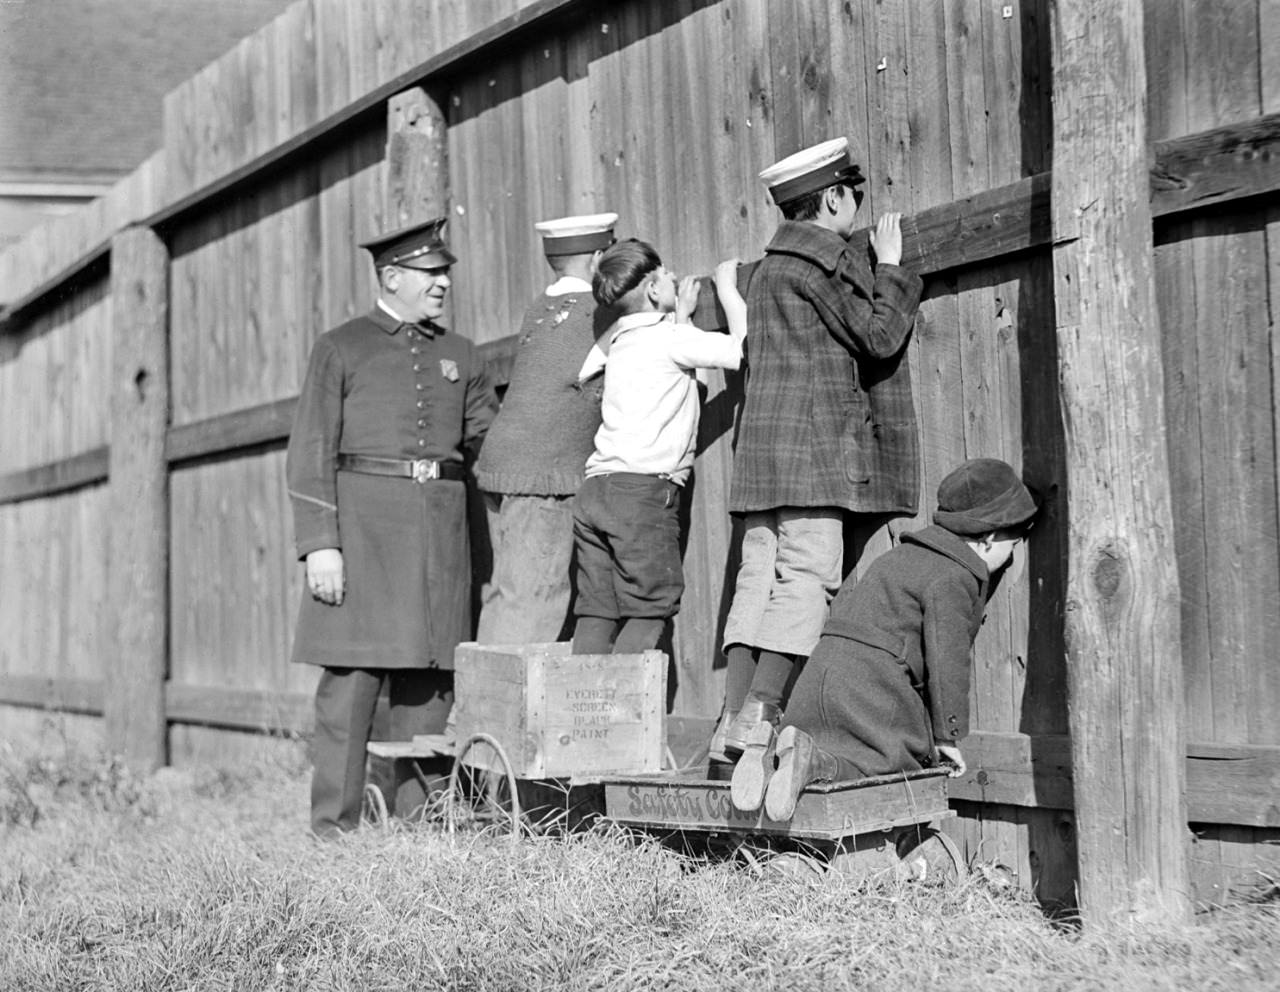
{"x":561,"y":715}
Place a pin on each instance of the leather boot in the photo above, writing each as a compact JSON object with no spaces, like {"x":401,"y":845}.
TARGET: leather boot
{"x":751,"y":773}
{"x":715,"y":750}
{"x":754,"y":712}
{"x":800,"y":762}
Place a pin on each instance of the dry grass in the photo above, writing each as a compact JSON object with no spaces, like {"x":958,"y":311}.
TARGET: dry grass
{"x":203,"y":879}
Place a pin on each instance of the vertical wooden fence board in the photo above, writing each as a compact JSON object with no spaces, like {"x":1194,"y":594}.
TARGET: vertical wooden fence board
{"x":1267,"y":695}
{"x":749,"y":53}
{"x":136,"y":649}
{"x":1122,"y":632}
{"x":582,"y":196}
{"x":1176,"y":295}
{"x":1242,"y":570}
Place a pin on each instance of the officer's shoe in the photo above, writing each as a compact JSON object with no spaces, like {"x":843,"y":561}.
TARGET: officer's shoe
{"x":751,"y":773}
{"x":753,"y":713}
{"x":800,"y":762}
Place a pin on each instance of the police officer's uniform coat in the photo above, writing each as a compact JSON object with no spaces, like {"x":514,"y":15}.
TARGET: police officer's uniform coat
{"x":379,"y":387}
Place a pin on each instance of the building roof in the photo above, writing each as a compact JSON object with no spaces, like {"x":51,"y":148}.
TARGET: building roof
{"x":83,"y":81}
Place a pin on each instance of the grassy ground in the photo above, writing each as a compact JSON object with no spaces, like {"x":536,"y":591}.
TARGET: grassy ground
{"x":207,"y":879}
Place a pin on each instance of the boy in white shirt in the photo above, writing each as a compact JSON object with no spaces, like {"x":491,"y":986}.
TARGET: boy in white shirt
{"x":626,"y":524}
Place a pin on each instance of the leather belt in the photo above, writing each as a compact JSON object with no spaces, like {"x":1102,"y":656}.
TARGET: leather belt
{"x":417,"y":469}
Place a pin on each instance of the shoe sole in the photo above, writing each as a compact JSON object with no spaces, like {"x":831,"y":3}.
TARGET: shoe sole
{"x":795,"y":751}
{"x":751,"y":773}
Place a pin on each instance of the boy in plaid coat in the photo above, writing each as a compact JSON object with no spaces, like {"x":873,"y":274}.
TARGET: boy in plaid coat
{"x":828,"y":425}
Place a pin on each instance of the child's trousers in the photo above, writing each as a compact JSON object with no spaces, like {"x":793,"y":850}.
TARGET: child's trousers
{"x":791,"y":562}
{"x":626,"y":533}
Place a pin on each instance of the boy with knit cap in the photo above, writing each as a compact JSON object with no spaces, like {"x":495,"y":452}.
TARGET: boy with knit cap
{"x":887,"y":688}
{"x":532,"y":461}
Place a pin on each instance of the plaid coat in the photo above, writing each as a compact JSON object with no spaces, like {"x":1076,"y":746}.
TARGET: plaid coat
{"x":828,"y":418}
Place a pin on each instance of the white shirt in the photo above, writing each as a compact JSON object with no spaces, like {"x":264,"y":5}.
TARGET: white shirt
{"x":568,"y":284}
{"x":650,"y":405}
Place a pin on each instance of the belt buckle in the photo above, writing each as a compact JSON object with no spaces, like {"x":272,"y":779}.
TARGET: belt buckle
{"x":425,"y":469}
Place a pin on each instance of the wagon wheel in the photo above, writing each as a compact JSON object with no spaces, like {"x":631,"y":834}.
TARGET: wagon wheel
{"x":869,"y":856}
{"x":453,"y":793}
{"x":375,"y":806}
{"x":793,"y":864}
{"x":929,"y":855}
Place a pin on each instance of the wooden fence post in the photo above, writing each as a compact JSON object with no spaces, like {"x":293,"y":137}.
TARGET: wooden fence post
{"x":136,"y":659}
{"x":1124,"y":655}
{"x":417,"y":159}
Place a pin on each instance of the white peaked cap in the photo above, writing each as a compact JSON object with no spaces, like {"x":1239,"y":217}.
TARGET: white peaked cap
{"x":576,"y":235}
{"x":811,"y":169}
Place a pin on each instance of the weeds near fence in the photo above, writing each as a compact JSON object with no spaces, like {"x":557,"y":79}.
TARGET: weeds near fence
{"x":207,"y":879}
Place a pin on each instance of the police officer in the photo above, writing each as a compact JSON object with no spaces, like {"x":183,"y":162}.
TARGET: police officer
{"x":391,"y":407}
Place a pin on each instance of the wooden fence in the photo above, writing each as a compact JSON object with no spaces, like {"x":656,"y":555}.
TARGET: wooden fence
{"x":277,"y":158}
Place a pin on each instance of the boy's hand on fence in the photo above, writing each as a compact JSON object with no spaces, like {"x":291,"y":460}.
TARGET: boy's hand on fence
{"x":886,"y":239}
{"x":327,"y":575}
{"x":686,"y":299}
{"x":950,"y":754}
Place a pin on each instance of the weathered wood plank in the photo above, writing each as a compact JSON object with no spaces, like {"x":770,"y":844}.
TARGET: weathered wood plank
{"x":60,"y":695}
{"x":84,"y":469}
{"x":263,"y":424}
{"x":1122,"y":631}
{"x":136,"y":658}
{"x":1215,"y":167}
{"x":245,"y":709}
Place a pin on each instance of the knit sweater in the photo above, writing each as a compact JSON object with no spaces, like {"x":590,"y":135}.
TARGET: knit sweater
{"x":539,"y":443}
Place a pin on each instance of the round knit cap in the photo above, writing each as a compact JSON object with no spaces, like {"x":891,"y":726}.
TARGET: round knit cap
{"x":982,"y":495}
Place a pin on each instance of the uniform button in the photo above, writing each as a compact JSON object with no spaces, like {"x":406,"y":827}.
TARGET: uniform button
{"x":420,"y":387}
{"x":422,"y":422}
{"x":413,"y":350}
{"x":422,"y":442}
{"x":422,"y":404}
{"x":951,"y":719}
{"x":417,"y":368}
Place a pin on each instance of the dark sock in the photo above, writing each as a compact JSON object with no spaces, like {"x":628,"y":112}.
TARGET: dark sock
{"x":594,"y":635}
{"x":639,"y":634}
{"x":772,"y":673}
{"x":742,"y":669}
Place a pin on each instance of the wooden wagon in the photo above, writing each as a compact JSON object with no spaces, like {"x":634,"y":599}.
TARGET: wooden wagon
{"x":861,"y":828}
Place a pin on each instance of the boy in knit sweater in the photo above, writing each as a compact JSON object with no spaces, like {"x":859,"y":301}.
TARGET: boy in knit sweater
{"x":532,"y":461}
{"x":626,"y":524}
{"x":887,"y":688}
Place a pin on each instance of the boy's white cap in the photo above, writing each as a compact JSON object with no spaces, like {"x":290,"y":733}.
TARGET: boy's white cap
{"x":576,"y":235}
{"x":810,"y":170}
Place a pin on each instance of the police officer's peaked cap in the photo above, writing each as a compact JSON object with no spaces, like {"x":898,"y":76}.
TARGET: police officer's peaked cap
{"x":810,"y":170}
{"x":576,"y":235}
{"x":419,"y":246}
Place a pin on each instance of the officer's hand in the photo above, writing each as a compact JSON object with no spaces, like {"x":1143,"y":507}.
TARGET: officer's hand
{"x":950,"y":754}
{"x":886,"y":239}
{"x":686,"y":299}
{"x":327,"y":576}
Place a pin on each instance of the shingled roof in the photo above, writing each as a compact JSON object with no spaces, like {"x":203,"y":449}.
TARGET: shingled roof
{"x":82,"y":81}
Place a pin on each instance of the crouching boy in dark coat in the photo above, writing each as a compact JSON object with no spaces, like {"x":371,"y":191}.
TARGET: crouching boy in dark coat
{"x":887,"y":688}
